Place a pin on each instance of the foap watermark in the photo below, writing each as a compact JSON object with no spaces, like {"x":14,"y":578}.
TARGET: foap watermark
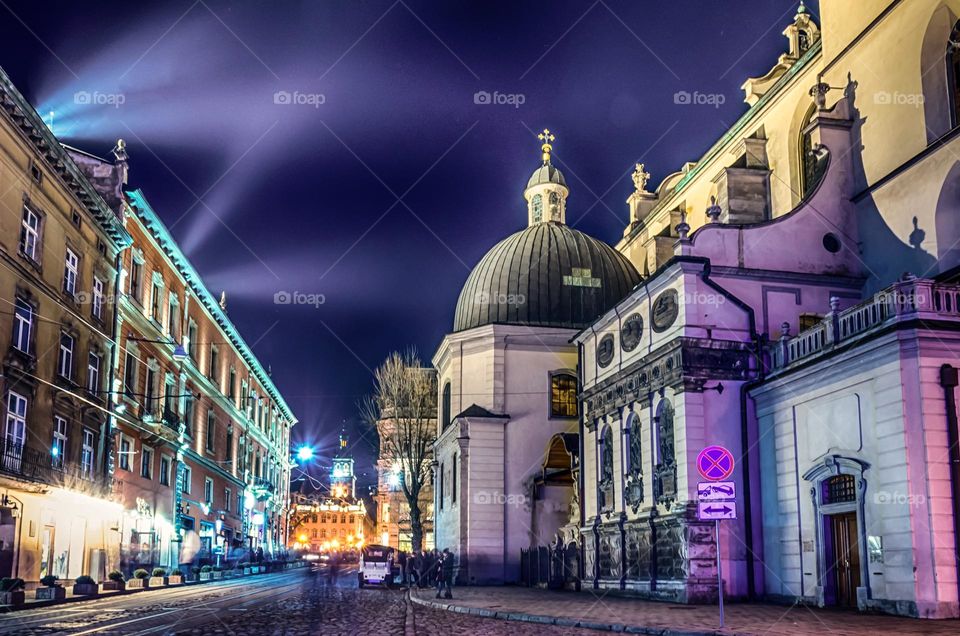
{"x":896,"y":98}
{"x":96,"y":98}
{"x":498,"y":298}
{"x":884,"y":497}
{"x":498,"y":498}
{"x":296,"y":98}
{"x":902,"y":298}
{"x":696,"y":98}
{"x":704,"y":298}
{"x":299,"y":298}
{"x":497,"y":98}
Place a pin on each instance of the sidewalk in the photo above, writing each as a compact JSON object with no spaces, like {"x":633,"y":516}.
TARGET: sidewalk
{"x":615,"y":613}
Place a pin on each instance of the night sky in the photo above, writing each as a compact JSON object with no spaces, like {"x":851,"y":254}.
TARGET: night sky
{"x":337,"y":149}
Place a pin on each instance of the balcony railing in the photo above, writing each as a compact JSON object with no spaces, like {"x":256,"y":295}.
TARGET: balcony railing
{"x":909,"y":299}
{"x":34,"y":465}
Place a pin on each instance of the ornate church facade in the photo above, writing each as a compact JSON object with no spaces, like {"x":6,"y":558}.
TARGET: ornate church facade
{"x":798,"y":308}
{"x":791,"y":296}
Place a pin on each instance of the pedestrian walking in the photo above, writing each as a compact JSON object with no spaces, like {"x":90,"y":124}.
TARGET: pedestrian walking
{"x":334,"y":568}
{"x":416,"y":567}
{"x":445,"y":574}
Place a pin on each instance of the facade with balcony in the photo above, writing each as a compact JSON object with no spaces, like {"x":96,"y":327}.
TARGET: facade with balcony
{"x":60,"y":241}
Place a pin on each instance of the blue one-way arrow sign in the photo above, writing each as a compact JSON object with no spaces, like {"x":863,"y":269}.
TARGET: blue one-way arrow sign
{"x":713,"y":510}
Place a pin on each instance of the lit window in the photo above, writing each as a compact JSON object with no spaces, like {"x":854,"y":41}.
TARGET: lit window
{"x":97,"y":307}
{"x":93,"y":372}
{"x":70,"y":271}
{"x":563,"y":395}
{"x":65,"y":359}
{"x":59,"y":446}
{"x":87,"y":455}
{"x":537,"y":208}
{"x":22,"y":325}
{"x":29,"y":234}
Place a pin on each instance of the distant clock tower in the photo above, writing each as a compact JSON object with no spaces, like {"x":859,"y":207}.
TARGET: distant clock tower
{"x":343,"y":483}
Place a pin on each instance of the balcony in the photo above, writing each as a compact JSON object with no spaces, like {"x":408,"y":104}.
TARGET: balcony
{"x":913,"y":299}
{"x":39,"y":466}
{"x":262,"y":489}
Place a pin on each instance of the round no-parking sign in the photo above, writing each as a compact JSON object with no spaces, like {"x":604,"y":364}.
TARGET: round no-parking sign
{"x":715,"y":463}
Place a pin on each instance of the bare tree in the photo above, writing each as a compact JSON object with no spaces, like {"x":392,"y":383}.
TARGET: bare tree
{"x":403,"y":408}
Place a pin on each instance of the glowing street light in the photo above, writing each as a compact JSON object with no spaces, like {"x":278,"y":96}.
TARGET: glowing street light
{"x":304,"y":453}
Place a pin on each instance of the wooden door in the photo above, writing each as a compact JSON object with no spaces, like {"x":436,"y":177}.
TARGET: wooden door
{"x":845,"y":559}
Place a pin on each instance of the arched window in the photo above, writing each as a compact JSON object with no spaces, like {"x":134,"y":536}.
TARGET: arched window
{"x":811,"y":165}
{"x":606,"y":455}
{"x":445,"y":407}
{"x":563,"y":395}
{"x":665,"y":434}
{"x":953,"y":74}
{"x":636,"y":448}
{"x":554,"y":206}
{"x":537,"y":208}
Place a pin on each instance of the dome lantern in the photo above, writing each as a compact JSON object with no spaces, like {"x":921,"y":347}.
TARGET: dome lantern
{"x":546,"y":191}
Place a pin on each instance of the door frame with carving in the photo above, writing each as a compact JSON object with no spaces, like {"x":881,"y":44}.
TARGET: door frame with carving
{"x":824,"y":469}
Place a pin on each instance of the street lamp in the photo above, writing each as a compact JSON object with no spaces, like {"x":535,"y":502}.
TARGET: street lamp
{"x":304,"y":453}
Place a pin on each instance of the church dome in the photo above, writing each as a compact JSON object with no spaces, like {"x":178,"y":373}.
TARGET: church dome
{"x":546,"y":174}
{"x":547,"y":275}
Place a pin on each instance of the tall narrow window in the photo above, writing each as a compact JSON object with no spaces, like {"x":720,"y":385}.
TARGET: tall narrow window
{"x":165,"y":464}
{"x":636,"y":445}
{"x":30,"y":234}
{"x":811,"y":165}
{"x":188,"y":413}
{"x":130,"y":374}
{"x":97,"y":301}
{"x":453,"y":479}
{"x":208,"y":491}
{"x":59,"y":446}
{"x":15,"y":430}
{"x":192,"y":341}
{"x":445,"y":413}
{"x":211,"y":429}
{"x":173,"y":318}
{"x":156,"y":302}
{"x":93,"y":373}
{"x":233,"y":384}
{"x":126,"y":452}
{"x":71,"y":270}
{"x":537,"y":208}
{"x":953,"y":73}
{"x":87,"y":454}
{"x":65,"y":359}
{"x":22,"y":325}
{"x":146,"y":462}
{"x":136,"y":280}
{"x":214,"y":370}
{"x":150,"y":389}
{"x":563,"y":395}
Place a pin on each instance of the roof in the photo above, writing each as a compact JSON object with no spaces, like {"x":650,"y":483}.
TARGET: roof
{"x":548,"y":275}
{"x":478,"y":411}
{"x":170,"y":247}
{"x":546,"y":173}
{"x":48,"y":146}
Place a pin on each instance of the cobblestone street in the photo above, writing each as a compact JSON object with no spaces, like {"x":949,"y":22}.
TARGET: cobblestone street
{"x":295,"y":603}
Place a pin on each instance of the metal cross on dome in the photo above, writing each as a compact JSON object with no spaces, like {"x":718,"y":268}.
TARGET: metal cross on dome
{"x":547,"y":138}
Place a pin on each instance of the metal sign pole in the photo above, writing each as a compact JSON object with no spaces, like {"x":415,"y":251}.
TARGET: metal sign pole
{"x":719,"y":573}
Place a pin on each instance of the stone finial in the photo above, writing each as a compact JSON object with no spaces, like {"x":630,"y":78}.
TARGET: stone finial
{"x":819,"y":94}
{"x":714,"y":211}
{"x":640,"y":178}
{"x":834,"y":304}
{"x":784,"y":330}
{"x":223,"y":300}
{"x":683,"y":228}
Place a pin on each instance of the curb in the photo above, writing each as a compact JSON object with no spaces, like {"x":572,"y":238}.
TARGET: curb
{"x":559,"y":621}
